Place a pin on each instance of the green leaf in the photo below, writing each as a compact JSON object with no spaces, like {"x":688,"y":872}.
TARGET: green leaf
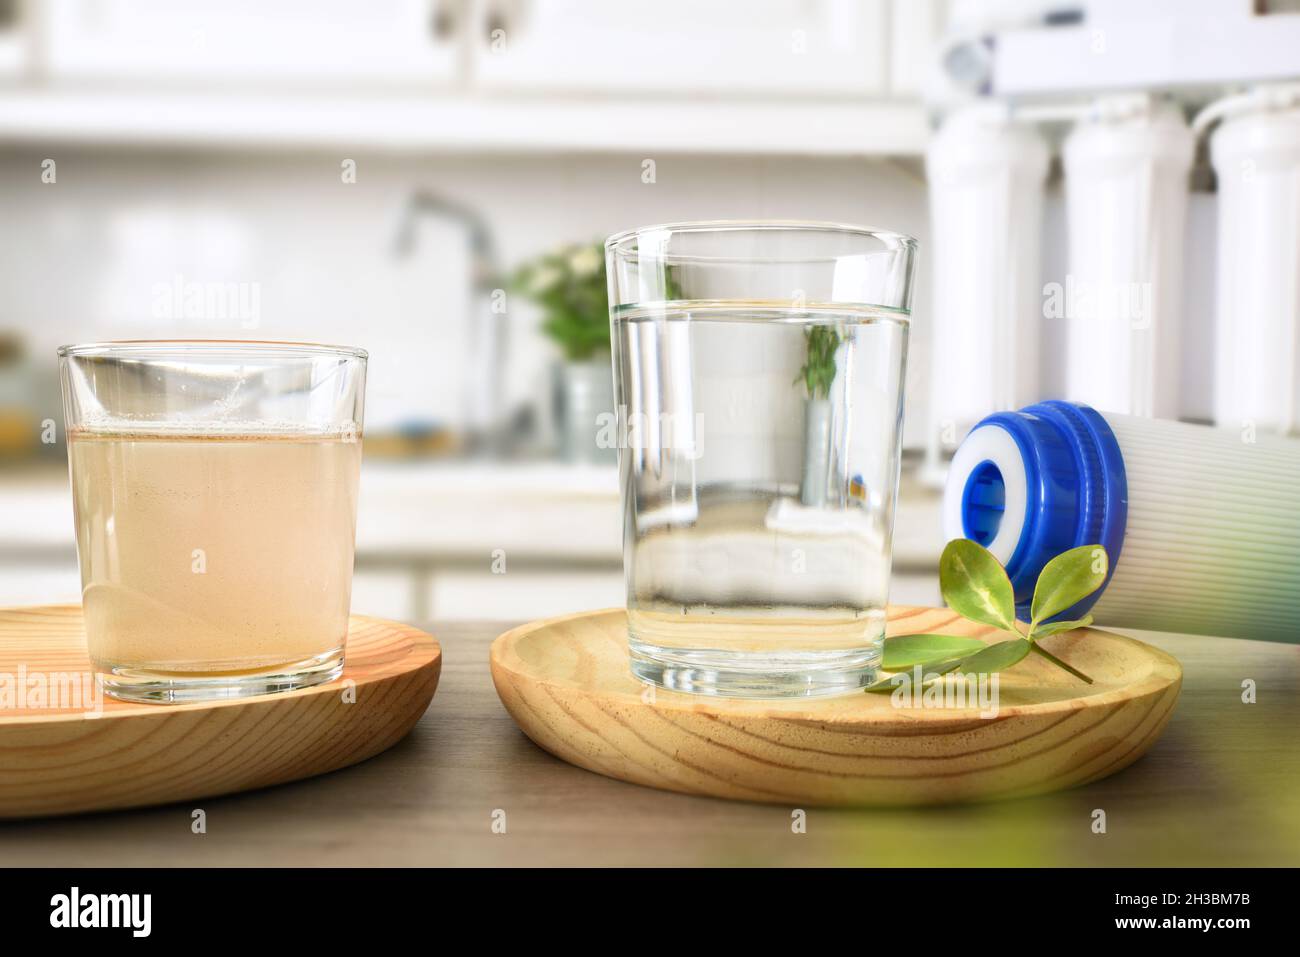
{"x":928,"y":674}
{"x":998,"y":657}
{"x":991,"y":658}
{"x":818,"y":372}
{"x":975,"y":585}
{"x":1056,"y":627}
{"x":1068,"y":578}
{"x":904,"y":651}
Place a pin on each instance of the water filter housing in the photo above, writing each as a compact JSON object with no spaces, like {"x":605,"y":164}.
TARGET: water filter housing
{"x":986,"y":177}
{"x":1202,"y":525}
{"x":1126,"y":186}
{"x":1256,"y":156}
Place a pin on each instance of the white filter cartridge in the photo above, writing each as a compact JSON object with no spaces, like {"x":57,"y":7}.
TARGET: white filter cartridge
{"x":986,"y":178}
{"x":1201,"y":523}
{"x":1126,"y":184}
{"x":1256,"y":156}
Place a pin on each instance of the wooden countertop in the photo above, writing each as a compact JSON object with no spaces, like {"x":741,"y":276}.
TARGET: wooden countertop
{"x":1222,"y":787}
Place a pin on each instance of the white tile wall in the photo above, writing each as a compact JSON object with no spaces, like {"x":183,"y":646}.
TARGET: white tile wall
{"x":96,"y":253}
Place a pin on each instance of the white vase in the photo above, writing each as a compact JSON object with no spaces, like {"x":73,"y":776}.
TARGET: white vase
{"x":584,"y":396}
{"x":816,"y":452}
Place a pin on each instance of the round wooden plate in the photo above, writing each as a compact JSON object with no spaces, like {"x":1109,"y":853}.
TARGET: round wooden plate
{"x":566,"y":683}
{"x":94,"y":757}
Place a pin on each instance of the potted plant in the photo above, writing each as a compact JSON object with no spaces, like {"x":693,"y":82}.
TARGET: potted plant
{"x":817,"y":374}
{"x":569,"y":285}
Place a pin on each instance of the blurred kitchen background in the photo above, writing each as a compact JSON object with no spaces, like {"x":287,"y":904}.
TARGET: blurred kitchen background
{"x":396,"y":174}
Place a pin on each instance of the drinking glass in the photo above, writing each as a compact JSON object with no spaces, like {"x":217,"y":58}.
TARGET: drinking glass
{"x":214,"y":486}
{"x":758,"y":371}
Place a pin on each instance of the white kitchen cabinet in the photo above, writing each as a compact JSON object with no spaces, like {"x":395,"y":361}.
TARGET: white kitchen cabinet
{"x":837,"y":47}
{"x":337,"y":41}
{"x":523,"y":596}
{"x":783,"y":77}
{"x":915,"y":27}
{"x":389,"y":594}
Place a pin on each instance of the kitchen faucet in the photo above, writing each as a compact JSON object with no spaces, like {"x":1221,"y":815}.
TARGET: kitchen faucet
{"x":486,"y":368}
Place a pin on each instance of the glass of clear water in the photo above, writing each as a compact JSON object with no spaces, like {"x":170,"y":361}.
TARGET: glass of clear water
{"x":759,"y":373}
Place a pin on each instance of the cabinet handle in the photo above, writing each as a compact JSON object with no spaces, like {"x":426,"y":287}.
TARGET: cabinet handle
{"x":444,"y":20}
{"x":494,"y":23}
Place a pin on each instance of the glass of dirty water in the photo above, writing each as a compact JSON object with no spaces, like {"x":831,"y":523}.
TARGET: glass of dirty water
{"x":759,"y":373}
{"x":214,"y":487}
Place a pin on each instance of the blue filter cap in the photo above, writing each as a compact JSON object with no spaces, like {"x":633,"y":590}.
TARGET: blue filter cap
{"x":1029,"y":485}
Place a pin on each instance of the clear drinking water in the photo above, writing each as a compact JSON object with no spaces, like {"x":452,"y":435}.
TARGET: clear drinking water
{"x":759,"y":444}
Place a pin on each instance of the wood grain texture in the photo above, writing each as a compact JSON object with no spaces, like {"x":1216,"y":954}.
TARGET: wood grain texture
{"x":1217,"y":790}
{"x":66,"y":760}
{"x":566,"y":683}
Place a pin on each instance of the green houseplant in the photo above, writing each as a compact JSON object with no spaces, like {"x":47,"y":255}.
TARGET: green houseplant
{"x":569,"y":286}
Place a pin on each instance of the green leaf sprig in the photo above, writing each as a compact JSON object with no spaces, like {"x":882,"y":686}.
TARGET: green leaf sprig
{"x":818,"y":372}
{"x":975,"y":585}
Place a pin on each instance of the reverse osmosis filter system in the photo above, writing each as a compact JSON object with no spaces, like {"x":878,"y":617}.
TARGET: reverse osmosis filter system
{"x":1201,"y":524}
{"x":1106,"y":84}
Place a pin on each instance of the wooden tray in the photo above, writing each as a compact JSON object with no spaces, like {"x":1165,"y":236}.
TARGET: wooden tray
{"x":566,"y":683}
{"x":71,"y":760}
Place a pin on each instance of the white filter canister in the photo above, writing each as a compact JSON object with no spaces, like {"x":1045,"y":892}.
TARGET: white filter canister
{"x":1126,"y":185}
{"x":986,"y":179}
{"x":1256,"y":158}
{"x":1201,"y":523}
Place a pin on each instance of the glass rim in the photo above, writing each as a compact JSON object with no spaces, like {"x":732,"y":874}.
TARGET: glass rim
{"x":268,"y":348}
{"x":620,"y":239}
